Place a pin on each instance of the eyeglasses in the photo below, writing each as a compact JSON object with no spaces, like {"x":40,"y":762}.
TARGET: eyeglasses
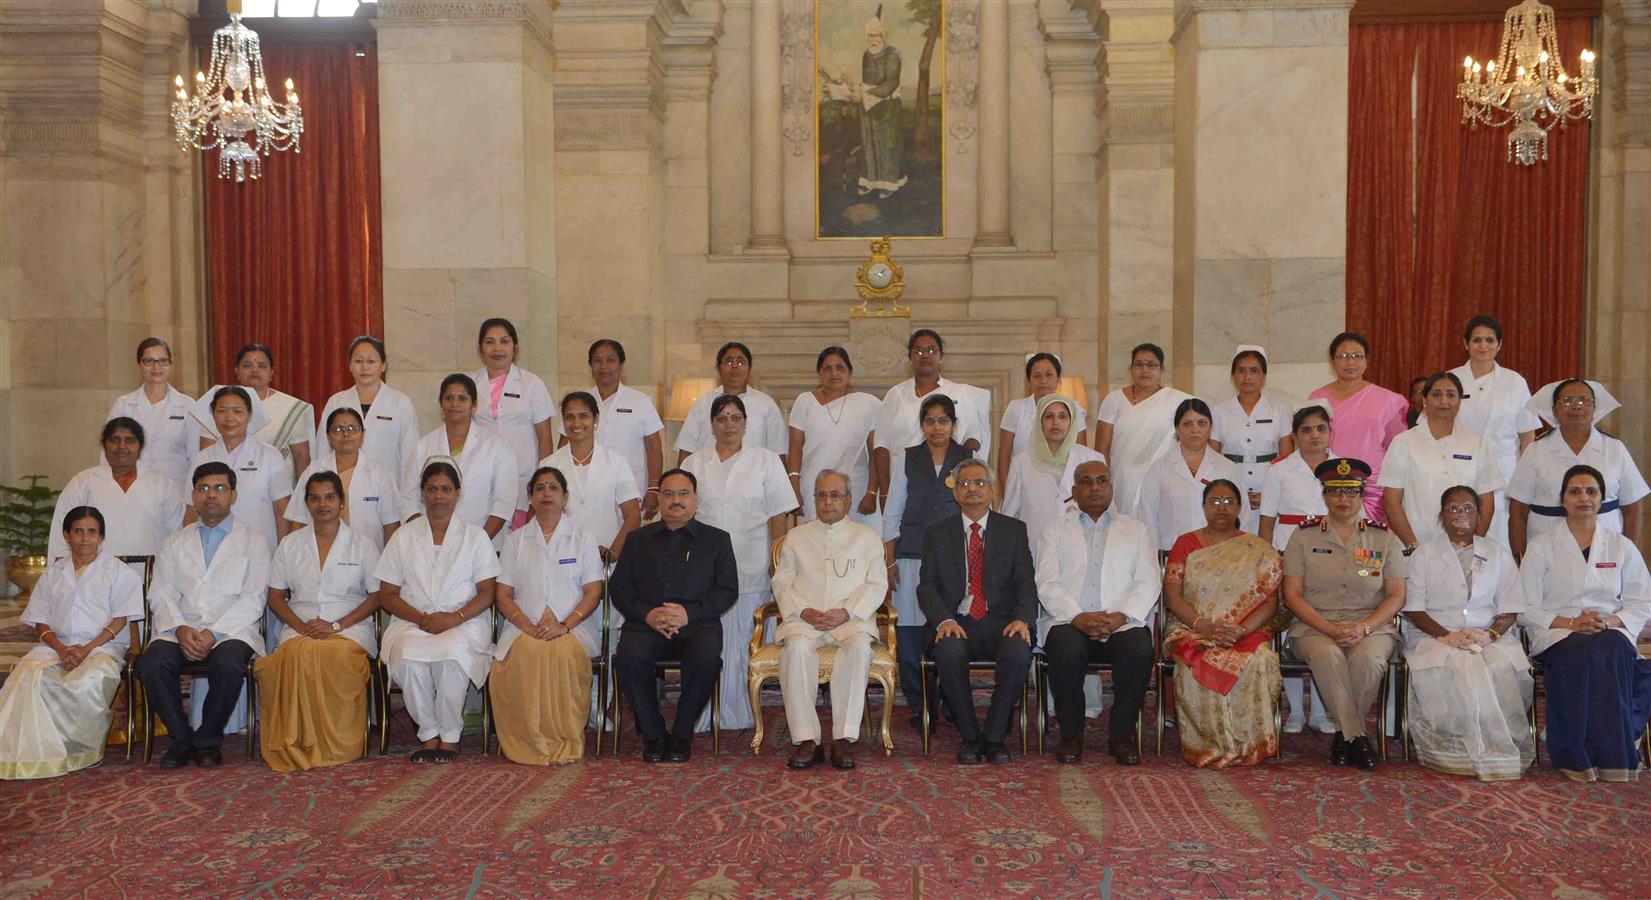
{"x":1349,"y":357}
{"x":1344,"y":491}
{"x":830,"y":496}
{"x":926,"y":351}
{"x":1456,"y":509}
{"x":1146,"y":364}
{"x":973,"y":483}
{"x":154,"y":362}
{"x":938,"y":421}
{"x":680,"y":494}
{"x":736,"y":362}
{"x":1220,"y":502}
{"x":211,"y":488}
{"x":1576,"y":401}
{"x":346,"y":429}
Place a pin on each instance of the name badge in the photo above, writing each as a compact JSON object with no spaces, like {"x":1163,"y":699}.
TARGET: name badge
{"x":569,"y":561}
{"x":513,"y":396}
{"x":1479,"y":563}
{"x":1203,"y":481}
{"x":1324,"y":551}
{"x":348,"y":563}
{"x":384,"y":418}
{"x":370,"y":499}
{"x":1463,"y":456}
{"x":1605,"y":565}
{"x":1264,"y":421}
{"x":176,"y":418}
{"x":623,"y":410}
{"x":250,"y":467}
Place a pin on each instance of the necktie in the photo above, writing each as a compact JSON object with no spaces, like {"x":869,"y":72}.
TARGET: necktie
{"x":977,"y":573}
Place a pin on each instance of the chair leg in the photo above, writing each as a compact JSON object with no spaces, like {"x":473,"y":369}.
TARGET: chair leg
{"x":888,"y":717}
{"x":251,"y":735}
{"x":1158,"y":708}
{"x":618,"y":714}
{"x":716,"y":718}
{"x":602,"y":719}
{"x":754,"y":686}
{"x":1041,"y":680}
{"x":923,"y":714}
{"x":131,"y":712}
{"x":1381,"y":704}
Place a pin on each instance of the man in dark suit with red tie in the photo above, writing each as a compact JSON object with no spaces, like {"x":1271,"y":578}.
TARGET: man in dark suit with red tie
{"x":977,"y":583}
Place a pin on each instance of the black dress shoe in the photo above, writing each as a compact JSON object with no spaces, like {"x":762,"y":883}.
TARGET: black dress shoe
{"x":176,"y":757}
{"x":209,"y":757}
{"x":1340,"y":754}
{"x":1070,"y":750}
{"x":1363,"y":753}
{"x":805,"y":755}
{"x":996,"y":754}
{"x":653,"y":751}
{"x":681,"y":750}
{"x":842,"y":754}
{"x":1123,"y":751}
{"x":969,"y":754}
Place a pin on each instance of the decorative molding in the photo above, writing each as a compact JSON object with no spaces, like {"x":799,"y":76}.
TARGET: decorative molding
{"x":797,"y":75}
{"x":1628,"y":71}
{"x":1186,"y":9}
{"x":533,"y":14}
{"x":962,"y":72}
{"x":1072,"y":51}
{"x":594,"y":128}
{"x":50,"y":137}
{"x":1146,"y":123}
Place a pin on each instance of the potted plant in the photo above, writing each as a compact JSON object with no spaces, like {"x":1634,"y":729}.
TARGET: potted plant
{"x":25,"y":526}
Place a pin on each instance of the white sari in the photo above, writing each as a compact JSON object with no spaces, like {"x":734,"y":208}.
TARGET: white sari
{"x":1141,"y":433}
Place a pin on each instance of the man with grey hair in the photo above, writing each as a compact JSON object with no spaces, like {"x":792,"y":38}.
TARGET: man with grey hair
{"x":829,"y":582}
{"x":978,"y":584}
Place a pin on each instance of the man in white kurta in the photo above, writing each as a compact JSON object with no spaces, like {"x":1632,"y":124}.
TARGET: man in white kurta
{"x":207,"y":598}
{"x":829,"y":582}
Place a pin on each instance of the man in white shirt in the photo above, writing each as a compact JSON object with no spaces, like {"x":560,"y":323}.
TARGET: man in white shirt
{"x":207,"y":597}
{"x":977,"y":583}
{"x":1098,"y":578}
{"x":829,"y":582}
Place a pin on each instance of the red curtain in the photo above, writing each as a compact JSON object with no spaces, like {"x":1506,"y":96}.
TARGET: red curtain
{"x":1441,"y":226}
{"x":294,"y":259}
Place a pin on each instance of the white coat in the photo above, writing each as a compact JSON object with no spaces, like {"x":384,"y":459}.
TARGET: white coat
{"x":328,"y":591}
{"x":1435,"y":585}
{"x":391,"y":425}
{"x":1172,"y":498}
{"x":551,"y":575}
{"x":227,"y":597}
{"x":1424,"y":467}
{"x":487,"y":474}
{"x":524,"y":403}
{"x":438,"y":579}
{"x":171,"y":434}
{"x":1129,"y":581}
{"x":764,"y":425}
{"x":374,"y":497}
{"x":596,"y":490}
{"x":1558,"y":582}
{"x":136,"y":521}
{"x":78,"y":605}
{"x":739,"y":495}
{"x":1035,"y":497}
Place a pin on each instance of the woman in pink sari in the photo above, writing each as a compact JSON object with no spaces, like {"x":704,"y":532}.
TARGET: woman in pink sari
{"x":1368,"y":416}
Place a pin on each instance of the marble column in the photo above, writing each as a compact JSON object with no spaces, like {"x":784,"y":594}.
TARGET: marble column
{"x":767,"y":186}
{"x":98,"y":222}
{"x":1619,"y":302}
{"x":466,"y":107}
{"x":992,"y":176}
{"x":1260,"y":188}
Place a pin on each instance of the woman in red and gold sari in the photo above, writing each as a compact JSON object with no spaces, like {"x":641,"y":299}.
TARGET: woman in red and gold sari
{"x":1221,"y":588}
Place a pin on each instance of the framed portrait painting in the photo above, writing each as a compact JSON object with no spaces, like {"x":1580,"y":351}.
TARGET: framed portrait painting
{"x":879,"y":106}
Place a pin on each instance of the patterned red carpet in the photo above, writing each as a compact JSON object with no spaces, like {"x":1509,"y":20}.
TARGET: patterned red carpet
{"x":738,"y":825}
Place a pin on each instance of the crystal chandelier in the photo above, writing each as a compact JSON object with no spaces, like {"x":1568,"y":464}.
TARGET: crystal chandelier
{"x":1526,"y":85}
{"x":231,"y":100}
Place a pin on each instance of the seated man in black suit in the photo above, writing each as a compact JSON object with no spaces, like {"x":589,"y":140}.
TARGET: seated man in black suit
{"x":977,"y":583}
{"x":674,"y":580}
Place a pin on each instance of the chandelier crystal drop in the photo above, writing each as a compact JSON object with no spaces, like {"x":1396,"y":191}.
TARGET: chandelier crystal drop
{"x":232,"y":103}
{"x":1526,"y":85}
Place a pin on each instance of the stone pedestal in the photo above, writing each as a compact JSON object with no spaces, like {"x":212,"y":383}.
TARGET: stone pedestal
{"x":1260,"y":188}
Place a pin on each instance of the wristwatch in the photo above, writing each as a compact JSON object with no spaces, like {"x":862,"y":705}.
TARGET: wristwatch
{"x":336,"y":628}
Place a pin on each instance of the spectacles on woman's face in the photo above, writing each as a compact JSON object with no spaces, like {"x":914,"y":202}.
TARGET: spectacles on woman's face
{"x":937,"y":421}
{"x":1221,"y":502}
{"x":1349,"y":357}
{"x":155,"y":362}
{"x":1457,"y":509}
{"x":926,"y":351}
{"x":1576,"y":402}
{"x":1146,"y":364}
{"x":1344,"y":491}
{"x":736,"y":362}
{"x":344,"y":430}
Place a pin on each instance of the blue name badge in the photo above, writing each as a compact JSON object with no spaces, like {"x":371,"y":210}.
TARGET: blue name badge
{"x":569,"y":561}
{"x":370,"y":499}
{"x":1466,"y":456}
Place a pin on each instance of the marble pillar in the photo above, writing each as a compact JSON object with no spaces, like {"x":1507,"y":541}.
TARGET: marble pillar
{"x":767,"y":187}
{"x":992,"y":178}
{"x":1260,"y":188}
{"x":466,"y":106}
{"x":98,"y":222}
{"x":1619,"y":302}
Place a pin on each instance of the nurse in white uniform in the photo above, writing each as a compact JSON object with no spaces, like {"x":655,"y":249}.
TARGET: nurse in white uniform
{"x":373,"y":493}
{"x":263,"y":477}
{"x":386,"y":413}
{"x":627,"y":421}
{"x":832,"y":428}
{"x":1493,"y":405}
{"x":1172,"y":488}
{"x":1251,"y":429}
{"x":518,"y":408}
{"x":172,"y":437}
{"x":897,"y":427}
{"x":1040,"y":481}
{"x":1573,"y":407}
{"x":487,"y":463}
{"x":1020,"y":425}
{"x":1436,"y":454}
{"x":290,"y":427}
{"x":742,"y":490}
{"x":1135,"y":426}
{"x":141,"y":506}
{"x":1290,"y":494}
{"x":436,"y":577}
{"x":766,"y":425}
{"x":601,"y":496}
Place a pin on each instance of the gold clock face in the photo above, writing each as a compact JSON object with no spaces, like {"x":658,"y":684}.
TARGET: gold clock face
{"x":879,"y":275}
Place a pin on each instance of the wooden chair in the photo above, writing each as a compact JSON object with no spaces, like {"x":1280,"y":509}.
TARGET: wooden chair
{"x":765,"y":661}
{"x":140,"y":639}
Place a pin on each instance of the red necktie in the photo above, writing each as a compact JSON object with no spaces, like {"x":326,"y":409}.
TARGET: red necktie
{"x":977,"y":573}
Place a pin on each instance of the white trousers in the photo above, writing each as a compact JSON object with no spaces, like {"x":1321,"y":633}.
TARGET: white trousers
{"x":434,"y":693}
{"x":800,"y":682}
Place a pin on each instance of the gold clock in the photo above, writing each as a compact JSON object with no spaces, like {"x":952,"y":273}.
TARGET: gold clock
{"x":880,"y":283}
